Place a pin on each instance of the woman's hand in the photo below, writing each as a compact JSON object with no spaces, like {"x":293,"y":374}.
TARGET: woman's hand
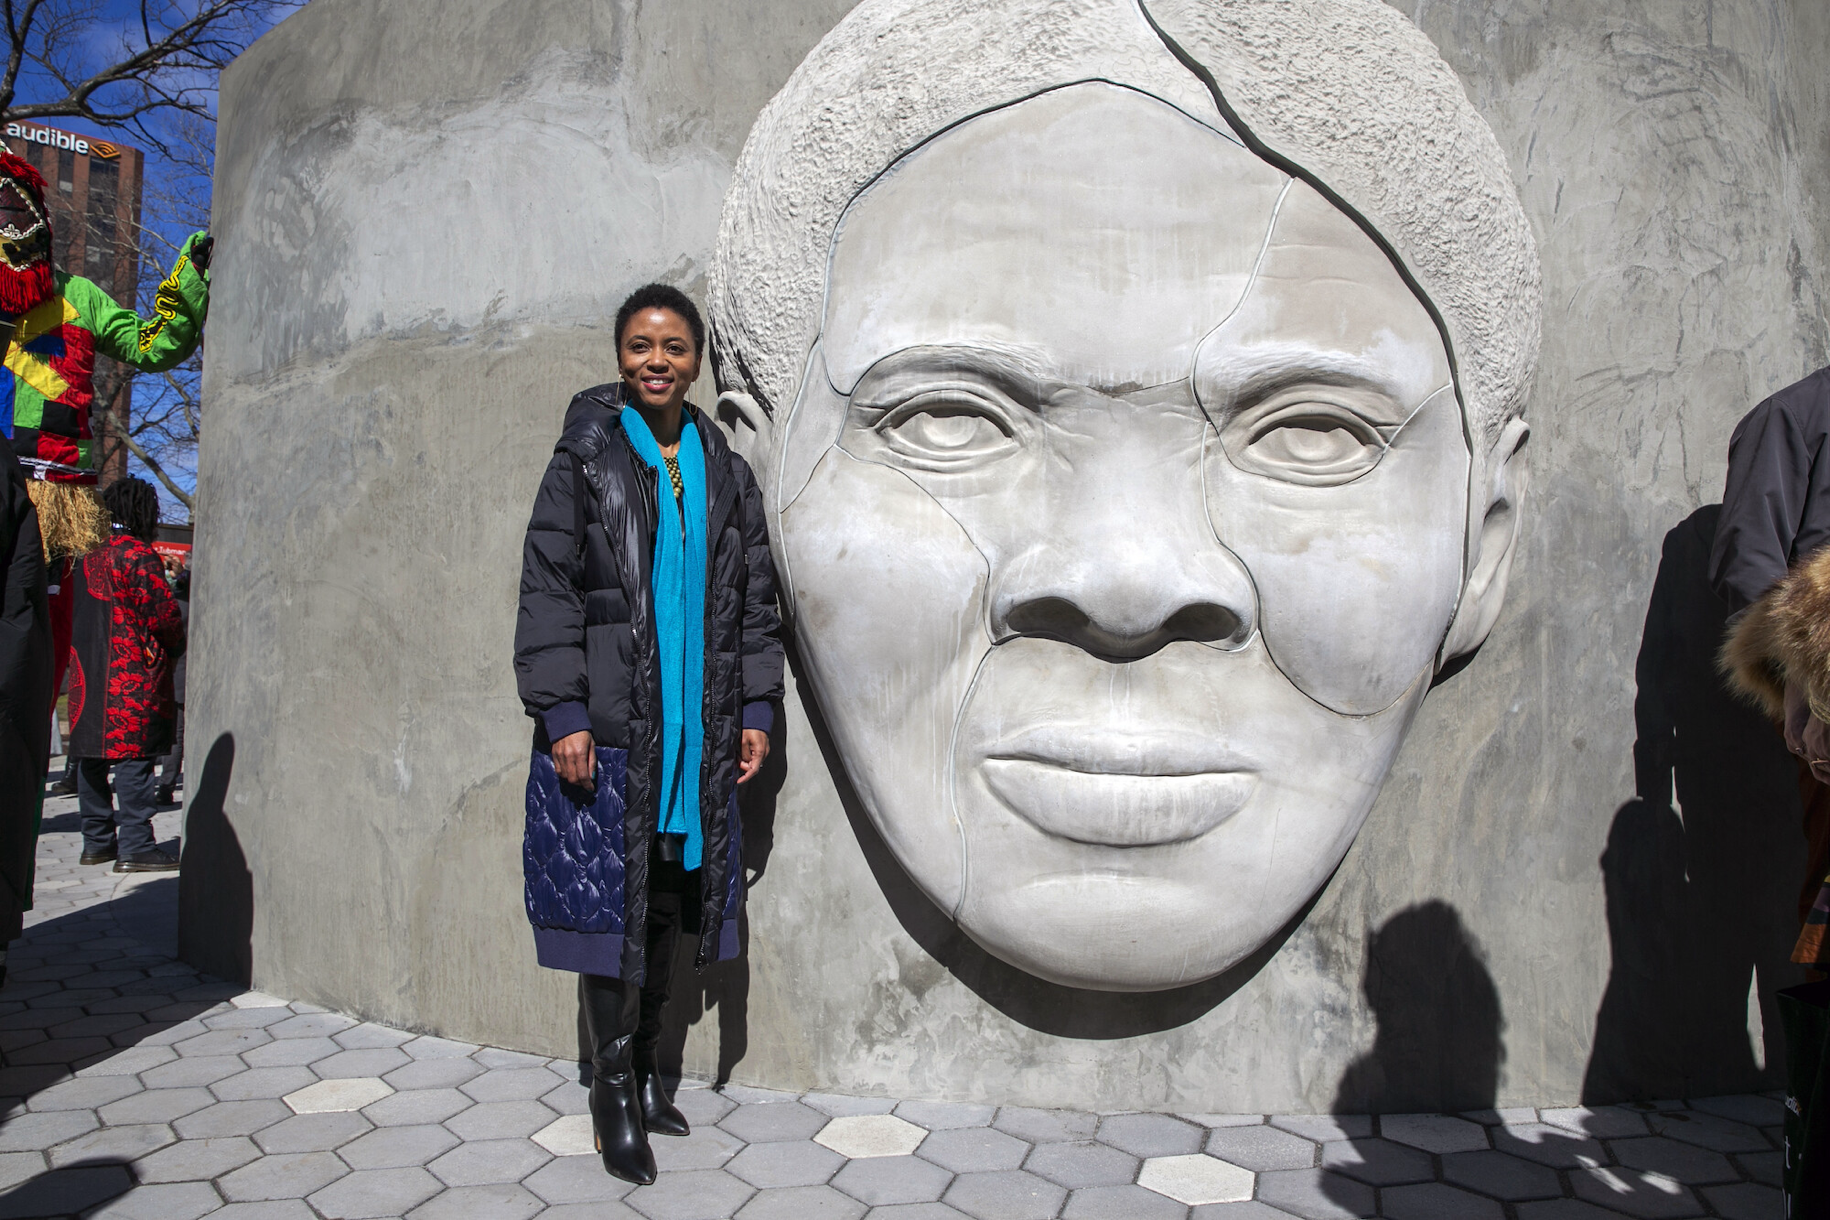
{"x":575,"y":758}
{"x":750,"y":757}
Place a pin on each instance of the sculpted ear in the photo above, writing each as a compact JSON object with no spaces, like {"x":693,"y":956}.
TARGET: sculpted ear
{"x":1490,"y":563}
{"x":747,"y":426}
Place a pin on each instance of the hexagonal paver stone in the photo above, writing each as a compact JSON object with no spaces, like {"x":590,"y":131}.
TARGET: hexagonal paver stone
{"x":223,"y":1042}
{"x":692,"y":1194}
{"x":1763,"y":1167}
{"x":375,"y":1061}
{"x":1151,"y":1135}
{"x":369,"y":1036}
{"x":1633,"y":1192}
{"x":510,"y":1084}
{"x":196,"y":1160}
{"x":887,"y":1180}
{"x":330,"y":1095}
{"x":869,"y":1135}
{"x":1007,"y":1194}
{"x":1083,"y":1165}
{"x":705,"y":1148}
{"x":1196,"y":1178}
{"x":1746,"y":1201}
{"x":433,"y":1074}
{"x":1046,"y":1126}
{"x":168,"y":1201}
{"x":1316,"y":1194}
{"x":501,"y":1201}
{"x":702,"y":1107}
{"x":312,"y":1133}
{"x":485,"y":1161}
{"x":1125,"y":1202}
{"x":198,"y":1072}
{"x":1435,"y":1201}
{"x":113,"y":1144}
{"x":398,"y":1147}
{"x":1601,"y":1122}
{"x":427,"y":1047}
{"x":1749,"y":1108}
{"x":262,"y":1082}
{"x":1438,"y":1133}
{"x":232,"y":1118}
{"x":85,"y":1093}
{"x":946,"y":1115}
{"x":291,"y":1175}
{"x":500,"y":1120}
{"x":1704,"y":1130}
{"x":1377,"y":1162}
{"x":1260,"y":1148}
{"x":291,"y":1052}
{"x":785,"y":1163}
{"x":371,"y":1194}
{"x":1548,"y":1145}
{"x":417,"y":1106}
{"x":974,"y":1150}
{"x":839,"y":1105}
{"x":568,"y":1135}
{"x":802,"y":1203}
{"x":1501,"y":1176}
{"x":774,"y":1120}
{"x":1684,"y":1163}
{"x":32,"y":1132}
{"x":1324,"y":1127}
{"x":580,"y":1182}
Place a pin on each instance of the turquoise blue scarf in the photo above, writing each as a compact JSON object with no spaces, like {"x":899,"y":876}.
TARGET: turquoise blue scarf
{"x":679,"y":616}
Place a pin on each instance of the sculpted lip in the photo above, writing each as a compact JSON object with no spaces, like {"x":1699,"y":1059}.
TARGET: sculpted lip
{"x":1117,"y":789}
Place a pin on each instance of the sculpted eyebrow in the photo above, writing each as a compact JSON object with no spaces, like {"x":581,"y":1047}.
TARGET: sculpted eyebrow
{"x":895,"y":373}
{"x":1233,"y":393}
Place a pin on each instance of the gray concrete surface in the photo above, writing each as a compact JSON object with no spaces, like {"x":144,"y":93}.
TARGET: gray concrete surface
{"x":425,"y":213}
{"x":133,"y":1088}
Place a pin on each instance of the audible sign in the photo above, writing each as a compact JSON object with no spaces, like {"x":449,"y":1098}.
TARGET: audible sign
{"x":34,"y":134}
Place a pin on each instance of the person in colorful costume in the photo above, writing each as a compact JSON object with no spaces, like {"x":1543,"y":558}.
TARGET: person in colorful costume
{"x":52,"y":326}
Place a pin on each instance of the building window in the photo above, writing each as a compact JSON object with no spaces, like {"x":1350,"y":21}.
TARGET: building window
{"x":66,"y":170}
{"x":99,"y":243}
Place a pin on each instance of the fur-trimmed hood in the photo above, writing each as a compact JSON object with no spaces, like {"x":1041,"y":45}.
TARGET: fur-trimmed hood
{"x":1784,"y":640}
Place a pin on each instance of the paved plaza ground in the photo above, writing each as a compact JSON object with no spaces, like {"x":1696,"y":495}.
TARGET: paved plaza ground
{"x":136,"y":1089}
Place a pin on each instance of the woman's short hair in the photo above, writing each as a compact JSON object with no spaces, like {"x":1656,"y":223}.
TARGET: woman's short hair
{"x":661,"y":296}
{"x":134,"y":506}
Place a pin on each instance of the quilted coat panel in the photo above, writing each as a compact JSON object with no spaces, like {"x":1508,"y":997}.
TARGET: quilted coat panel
{"x":572,"y":854}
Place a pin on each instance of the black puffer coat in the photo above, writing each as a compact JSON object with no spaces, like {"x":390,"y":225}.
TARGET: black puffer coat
{"x":587,"y":657}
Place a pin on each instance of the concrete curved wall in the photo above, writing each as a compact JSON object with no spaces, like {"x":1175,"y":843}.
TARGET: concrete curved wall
{"x":1577,"y":883}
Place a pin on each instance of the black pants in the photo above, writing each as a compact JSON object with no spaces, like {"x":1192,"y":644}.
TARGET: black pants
{"x":132,"y":792}
{"x":171,"y":772}
{"x":624,"y":1020}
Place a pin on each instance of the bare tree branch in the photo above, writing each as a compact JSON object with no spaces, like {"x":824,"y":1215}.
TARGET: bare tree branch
{"x":106,"y":411}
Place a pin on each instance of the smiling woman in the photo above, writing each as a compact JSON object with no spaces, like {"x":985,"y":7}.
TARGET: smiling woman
{"x":1128,"y":505}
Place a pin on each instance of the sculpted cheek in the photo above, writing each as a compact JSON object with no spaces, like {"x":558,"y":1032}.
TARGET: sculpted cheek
{"x":1356,"y":583}
{"x":889,"y":614}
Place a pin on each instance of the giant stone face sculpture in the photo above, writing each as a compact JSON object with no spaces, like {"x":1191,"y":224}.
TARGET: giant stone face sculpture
{"x":1130,"y":480}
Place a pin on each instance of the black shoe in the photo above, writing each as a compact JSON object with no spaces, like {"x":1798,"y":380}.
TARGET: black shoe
{"x":621,"y":1139}
{"x":154,"y":861}
{"x":99,"y":857}
{"x":166,"y":796}
{"x":64,"y":787}
{"x":659,"y":1115}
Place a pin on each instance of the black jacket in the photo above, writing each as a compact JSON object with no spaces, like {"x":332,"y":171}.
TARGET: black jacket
{"x":25,"y":691}
{"x":1776,"y":507}
{"x":586,"y":652}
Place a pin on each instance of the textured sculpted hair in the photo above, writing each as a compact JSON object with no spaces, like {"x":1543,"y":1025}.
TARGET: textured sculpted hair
{"x":134,"y":505}
{"x":661,"y":296}
{"x":1346,"y":94}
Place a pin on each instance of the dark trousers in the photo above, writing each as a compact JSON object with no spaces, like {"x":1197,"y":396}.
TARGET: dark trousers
{"x":624,"y":1020}
{"x":171,"y":771}
{"x":132,"y":792}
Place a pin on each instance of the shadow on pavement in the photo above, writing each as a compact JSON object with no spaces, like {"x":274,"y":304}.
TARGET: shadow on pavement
{"x":216,"y":890}
{"x":68,"y":1189}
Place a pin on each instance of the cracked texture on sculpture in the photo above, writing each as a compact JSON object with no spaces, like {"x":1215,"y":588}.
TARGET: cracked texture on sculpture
{"x":1128,"y":488}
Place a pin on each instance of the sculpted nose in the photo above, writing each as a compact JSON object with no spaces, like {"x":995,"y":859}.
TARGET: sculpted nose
{"x":1121,"y":576}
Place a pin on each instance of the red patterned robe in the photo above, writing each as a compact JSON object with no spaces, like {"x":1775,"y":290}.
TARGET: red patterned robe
{"x":127,"y":634}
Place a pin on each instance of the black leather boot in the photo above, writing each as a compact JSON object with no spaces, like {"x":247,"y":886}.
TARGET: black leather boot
{"x":665,"y":902}
{"x":610,"y":1008}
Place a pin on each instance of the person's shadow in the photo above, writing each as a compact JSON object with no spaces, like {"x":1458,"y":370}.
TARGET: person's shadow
{"x":1702,"y":867}
{"x":215,"y":888}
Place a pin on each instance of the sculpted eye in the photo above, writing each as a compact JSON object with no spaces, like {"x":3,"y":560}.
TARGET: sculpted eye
{"x":1314,"y":443}
{"x":947,"y":431}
